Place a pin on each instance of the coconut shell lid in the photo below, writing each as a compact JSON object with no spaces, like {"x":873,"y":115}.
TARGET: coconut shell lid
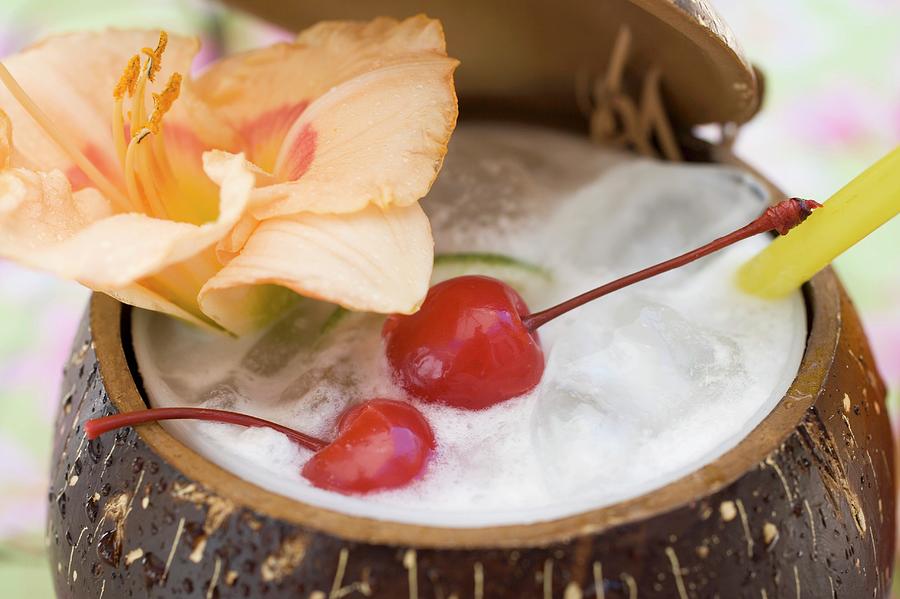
{"x":529,"y":55}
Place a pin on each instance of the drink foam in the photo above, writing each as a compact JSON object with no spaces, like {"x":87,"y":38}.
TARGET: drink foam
{"x":641,"y":387}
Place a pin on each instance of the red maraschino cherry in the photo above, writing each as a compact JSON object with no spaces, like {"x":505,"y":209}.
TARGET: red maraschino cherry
{"x":466,"y":346}
{"x":381,"y":443}
{"x":474,"y":342}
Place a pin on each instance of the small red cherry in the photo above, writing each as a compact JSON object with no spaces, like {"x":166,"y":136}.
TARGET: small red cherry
{"x":381,"y":444}
{"x":466,"y":346}
{"x":474,"y":343}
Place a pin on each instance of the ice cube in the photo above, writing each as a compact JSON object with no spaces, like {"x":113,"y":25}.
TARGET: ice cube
{"x":670,"y":209}
{"x":223,"y":395}
{"x":706,"y":360}
{"x":611,"y":385}
{"x":295,"y":332}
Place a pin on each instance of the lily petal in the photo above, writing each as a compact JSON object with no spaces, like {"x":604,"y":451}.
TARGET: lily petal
{"x":5,"y":140}
{"x":377,"y":139}
{"x":75,"y":236}
{"x":268,"y":88}
{"x":376,"y":259}
{"x":139,"y":296}
{"x":360,"y":113}
{"x":231,"y":245}
{"x":43,"y":224}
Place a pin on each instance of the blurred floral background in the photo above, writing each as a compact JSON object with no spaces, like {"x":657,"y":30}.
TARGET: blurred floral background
{"x":832,"y":107}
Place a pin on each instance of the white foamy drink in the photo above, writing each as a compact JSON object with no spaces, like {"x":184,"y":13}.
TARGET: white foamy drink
{"x":640,"y":387}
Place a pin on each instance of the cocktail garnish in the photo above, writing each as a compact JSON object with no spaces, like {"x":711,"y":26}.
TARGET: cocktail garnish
{"x":381,"y":443}
{"x":474,"y":343}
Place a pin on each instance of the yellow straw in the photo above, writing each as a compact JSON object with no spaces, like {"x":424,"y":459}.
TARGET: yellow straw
{"x":860,"y":207}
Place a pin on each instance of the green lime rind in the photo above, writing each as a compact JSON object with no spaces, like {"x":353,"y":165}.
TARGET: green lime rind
{"x":489,"y":260}
{"x":521,"y":276}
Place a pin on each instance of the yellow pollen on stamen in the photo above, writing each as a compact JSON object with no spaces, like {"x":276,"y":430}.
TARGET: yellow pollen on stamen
{"x":128,"y":80}
{"x":155,"y":55}
{"x":145,"y":165}
{"x":163,"y":101}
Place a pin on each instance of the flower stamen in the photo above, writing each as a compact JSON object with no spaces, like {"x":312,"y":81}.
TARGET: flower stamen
{"x":162,"y":102}
{"x":154,"y":57}
{"x":131,"y":182}
{"x":127,"y":84}
{"x":146,"y":165}
{"x":128,"y":79}
{"x":53,"y":132}
{"x":140,"y":186}
{"x":151,"y":67}
{"x":136,"y":112}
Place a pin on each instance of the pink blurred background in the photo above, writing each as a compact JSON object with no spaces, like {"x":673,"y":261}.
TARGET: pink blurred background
{"x":833,"y":107}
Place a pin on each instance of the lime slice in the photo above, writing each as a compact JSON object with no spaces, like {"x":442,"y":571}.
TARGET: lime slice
{"x":522,"y":276}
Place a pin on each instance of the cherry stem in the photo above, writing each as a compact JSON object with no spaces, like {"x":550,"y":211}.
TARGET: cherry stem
{"x":96,"y":427}
{"x":781,"y":217}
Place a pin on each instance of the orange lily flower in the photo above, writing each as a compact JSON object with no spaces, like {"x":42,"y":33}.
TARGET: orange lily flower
{"x":293,"y":169}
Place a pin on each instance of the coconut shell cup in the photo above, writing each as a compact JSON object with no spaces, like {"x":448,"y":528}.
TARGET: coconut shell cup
{"x":802,"y":507}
